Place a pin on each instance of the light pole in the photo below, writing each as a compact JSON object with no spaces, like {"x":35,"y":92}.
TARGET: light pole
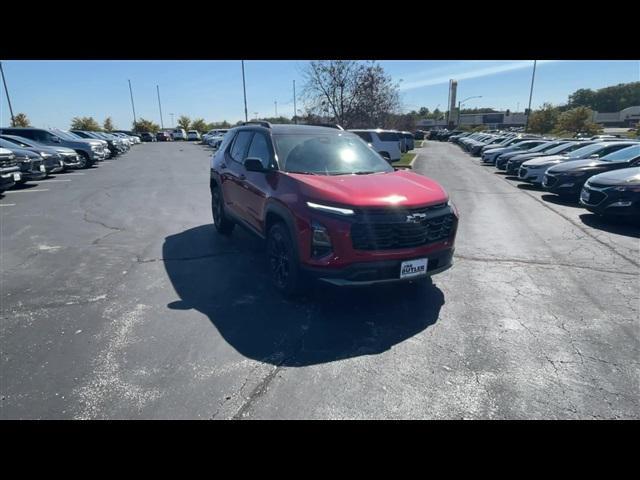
{"x":295,"y":109}
{"x":244,"y":90}
{"x":13,"y":120}
{"x":533,"y":77}
{"x":460,"y":105}
{"x":135,"y":122}
{"x":160,"y":107}
{"x":173,"y":124}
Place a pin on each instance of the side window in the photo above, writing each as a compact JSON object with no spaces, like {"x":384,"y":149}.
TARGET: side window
{"x":366,"y":136}
{"x":611,"y":149}
{"x":260,"y":149}
{"x":240,"y":145}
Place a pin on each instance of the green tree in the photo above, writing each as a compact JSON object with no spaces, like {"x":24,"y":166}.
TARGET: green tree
{"x":544,"y":120}
{"x":85,"y":123}
{"x":108,"y":124}
{"x":20,"y":120}
{"x":608,"y":99}
{"x":577,"y":120}
{"x":143,"y":125}
{"x":200,"y":125}
{"x":184,"y":122}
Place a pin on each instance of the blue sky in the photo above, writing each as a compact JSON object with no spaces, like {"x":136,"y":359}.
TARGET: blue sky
{"x":52,"y":92}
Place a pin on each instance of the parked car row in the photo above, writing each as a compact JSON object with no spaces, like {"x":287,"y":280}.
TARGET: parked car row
{"x":602,"y":172}
{"x":32,"y":154}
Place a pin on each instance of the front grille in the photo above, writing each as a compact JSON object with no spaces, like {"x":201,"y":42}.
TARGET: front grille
{"x":550,"y":181}
{"x":6,"y":162}
{"x":595,"y":197}
{"x":384,"y":229}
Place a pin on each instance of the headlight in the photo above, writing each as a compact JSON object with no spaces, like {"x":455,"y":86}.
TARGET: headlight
{"x":95,"y":148}
{"x":45,"y":154}
{"x":628,"y":188}
{"x":329,"y":209}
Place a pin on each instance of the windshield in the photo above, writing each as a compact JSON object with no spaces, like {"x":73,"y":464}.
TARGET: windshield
{"x":586,"y":151}
{"x":623,"y":155}
{"x":328,"y":154}
{"x":564,"y":147}
{"x":543,"y":146}
{"x":19,"y":142}
{"x":67,"y":135}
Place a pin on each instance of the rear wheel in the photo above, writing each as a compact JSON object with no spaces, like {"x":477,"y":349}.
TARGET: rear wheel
{"x":223,"y":225}
{"x":283,"y":263}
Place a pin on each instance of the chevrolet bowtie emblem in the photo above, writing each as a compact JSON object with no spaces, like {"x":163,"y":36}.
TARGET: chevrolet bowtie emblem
{"x":416,"y":217}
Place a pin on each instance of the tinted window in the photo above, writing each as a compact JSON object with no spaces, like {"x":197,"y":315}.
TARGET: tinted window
{"x":586,"y":151}
{"x":239,"y":149}
{"x":260,"y":149}
{"x":622,"y":153}
{"x":366,"y":136}
{"x":388,"y":136}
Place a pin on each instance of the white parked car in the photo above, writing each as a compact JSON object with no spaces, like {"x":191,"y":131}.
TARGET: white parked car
{"x":386,"y":142}
{"x":179,"y":134}
{"x":193,"y":135}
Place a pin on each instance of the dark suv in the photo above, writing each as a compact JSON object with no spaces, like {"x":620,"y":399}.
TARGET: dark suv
{"x":329,"y":207}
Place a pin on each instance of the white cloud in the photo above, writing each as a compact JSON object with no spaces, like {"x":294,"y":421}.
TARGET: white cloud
{"x":476,"y":73}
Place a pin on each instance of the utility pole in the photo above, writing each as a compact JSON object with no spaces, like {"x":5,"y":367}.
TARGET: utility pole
{"x":295,"y":110}
{"x":13,"y":120}
{"x":533,"y":77}
{"x":244,"y":89}
{"x":160,"y":106}
{"x":135,"y":122}
{"x":173,"y":123}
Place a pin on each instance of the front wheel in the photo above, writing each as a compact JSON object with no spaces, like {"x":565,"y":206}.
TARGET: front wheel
{"x":85,"y":161}
{"x":283,"y":262}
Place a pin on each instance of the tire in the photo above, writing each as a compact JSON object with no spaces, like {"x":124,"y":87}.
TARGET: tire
{"x":282,"y":261}
{"x":223,"y":225}
{"x":85,"y":161}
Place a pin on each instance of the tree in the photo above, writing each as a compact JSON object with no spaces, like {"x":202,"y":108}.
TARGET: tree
{"x":351,"y":93}
{"x":184,"y":122}
{"x":544,"y":119}
{"x":20,"y":120}
{"x":200,"y":125}
{"x":578,"y":120}
{"x":108,"y":124}
{"x":143,"y":125}
{"x":85,"y":123}
{"x":608,"y":99}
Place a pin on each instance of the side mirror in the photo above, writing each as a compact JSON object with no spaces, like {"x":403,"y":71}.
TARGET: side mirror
{"x":254,"y":165}
{"x":55,"y":139}
{"x":595,"y":155}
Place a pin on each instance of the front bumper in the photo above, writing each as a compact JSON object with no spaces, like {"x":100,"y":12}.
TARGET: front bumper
{"x":563,"y":184}
{"x":529,"y":175}
{"x":9,"y":177}
{"x":379,"y":272}
{"x":608,"y":201}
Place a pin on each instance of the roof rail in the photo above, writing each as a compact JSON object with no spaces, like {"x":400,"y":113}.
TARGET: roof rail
{"x":329,"y":125}
{"x":257,"y":122}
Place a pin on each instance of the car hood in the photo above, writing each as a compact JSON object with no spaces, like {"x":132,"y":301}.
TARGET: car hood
{"x":581,"y":165}
{"x":374,"y":190}
{"x":526,"y":156}
{"x":498,"y":150}
{"x":550,"y":160}
{"x":624,"y":176}
{"x":23,"y":152}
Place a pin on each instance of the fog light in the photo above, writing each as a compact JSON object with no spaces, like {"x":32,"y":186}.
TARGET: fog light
{"x":621,"y":204}
{"x":320,"y":242}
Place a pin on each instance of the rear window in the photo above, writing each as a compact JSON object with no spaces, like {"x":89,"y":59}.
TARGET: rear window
{"x":366,"y":136}
{"x":388,"y":136}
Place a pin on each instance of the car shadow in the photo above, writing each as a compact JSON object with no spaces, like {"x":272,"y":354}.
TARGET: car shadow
{"x":619,"y":226}
{"x":226,"y":279}
{"x":530,"y":186}
{"x":25,"y":186}
{"x":564,"y":201}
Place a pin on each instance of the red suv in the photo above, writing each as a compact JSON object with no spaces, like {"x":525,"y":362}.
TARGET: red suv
{"x":329,"y":207}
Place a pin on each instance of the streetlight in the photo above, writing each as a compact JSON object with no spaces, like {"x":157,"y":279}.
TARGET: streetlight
{"x":462,"y":102}
{"x":533,"y":77}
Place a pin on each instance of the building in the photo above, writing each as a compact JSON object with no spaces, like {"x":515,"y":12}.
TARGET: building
{"x":629,"y":117}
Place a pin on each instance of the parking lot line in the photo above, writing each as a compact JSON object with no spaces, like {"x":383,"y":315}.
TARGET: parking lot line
{"x":56,"y":180}
{"x":74,"y":173}
{"x":22,"y":191}
{"x":7,"y":204}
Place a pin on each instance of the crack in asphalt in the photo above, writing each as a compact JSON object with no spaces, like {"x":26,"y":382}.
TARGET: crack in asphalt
{"x":102,"y":224}
{"x":539,"y":262}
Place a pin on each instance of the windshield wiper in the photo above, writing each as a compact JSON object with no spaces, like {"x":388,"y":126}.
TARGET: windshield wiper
{"x":301,"y":172}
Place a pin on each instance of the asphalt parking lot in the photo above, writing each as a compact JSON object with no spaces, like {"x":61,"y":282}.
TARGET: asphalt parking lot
{"x":119,"y":301}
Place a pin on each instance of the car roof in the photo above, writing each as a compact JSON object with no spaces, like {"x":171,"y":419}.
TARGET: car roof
{"x":290,"y":129}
